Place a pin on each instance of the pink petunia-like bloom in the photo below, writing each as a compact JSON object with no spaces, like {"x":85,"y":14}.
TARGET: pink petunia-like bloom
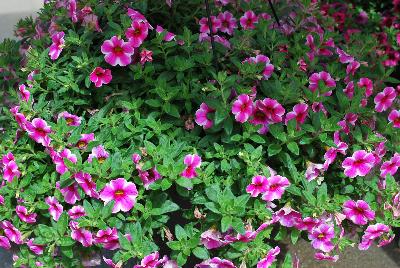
{"x":248,"y":20}
{"x":367,"y":84}
{"x":321,"y":237}
{"x":325,"y":257}
{"x":19,"y":118}
{"x":394,"y":117}
{"x":151,"y":261}
{"x":11,"y":171}
{"x":55,"y":208}
{"x":35,"y":248}
{"x":117,"y":51}
{"x":122,"y":192}
{"x":108,"y":238}
{"x":211,"y":239}
{"x":268,"y":69}
{"x":300,"y":113}
{"x":59,"y":159}
{"x":99,"y":153}
{"x":111,"y":264}
{"x":149,"y":176}
{"x":343,"y":56}
{"x":371,"y":233}
{"x":12,"y":233}
{"x":313,"y":171}
{"x":352,"y":67}
{"x":258,"y":185}
{"x":84,"y":140}
{"x":287,"y":216}
{"x":359,"y":164}
{"x":358,"y":211}
{"x":192,"y":161}
{"x":215,"y":263}
{"x":168,"y":35}
{"x":136,"y":158}
{"x":87,"y":184}
{"x":4,"y":242}
{"x":331,"y":153}
{"x":384,"y":99}
{"x":146,"y":56}
{"x":76,"y":212}
{"x":70,"y":193}
{"x":391,"y":166}
{"x":242,"y":108}
{"x":23,"y":214}
{"x":24,"y":93}
{"x":215,"y":25}
{"x":202,"y":116}
{"x":72,"y":13}
{"x":57,"y":45}
{"x":228,"y":22}
{"x":270,"y":258}
{"x":1,"y":200}
{"x":100,"y":76}
{"x":307,"y":224}
{"x":267,"y":111}
{"x":137,"y":33}
{"x":349,"y":90}
{"x":39,"y":131}
{"x":81,"y":235}
{"x":276,"y":186}
{"x":325,"y":78}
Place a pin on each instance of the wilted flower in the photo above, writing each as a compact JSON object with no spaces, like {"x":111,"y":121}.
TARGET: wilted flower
{"x":87,"y":184}
{"x":100,"y":153}
{"x":151,"y":260}
{"x":325,"y":257}
{"x":76,"y":212}
{"x":81,"y":235}
{"x":24,"y":93}
{"x":146,"y":56}
{"x":70,"y":193}
{"x":11,"y":232}
{"x":325,"y":78}
{"x":202,"y":116}
{"x":55,"y":208}
{"x":23,"y":214}
{"x":371,"y":233}
{"x":149,"y":176}
{"x":108,"y":238}
{"x":35,"y":248}
{"x":300,"y":113}
{"x":215,"y":263}
{"x":212,"y":239}
{"x":394,"y":117}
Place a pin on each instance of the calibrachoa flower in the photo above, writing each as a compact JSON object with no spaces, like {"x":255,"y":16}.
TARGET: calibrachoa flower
{"x":192,"y":161}
{"x":269,"y":259}
{"x":343,"y":56}
{"x":137,"y":33}
{"x":76,"y":212}
{"x":35,"y":248}
{"x":276,"y":186}
{"x":10,"y":171}
{"x":122,"y":192}
{"x":108,"y":238}
{"x":146,"y":56}
{"x":307,"y":223}
{"x":258,"y":185}
{"x":24,"y":93}
{"x":267,"y":111}
{"x":394,"y":117}
{"x":367,"y":84}
{"x":11,"y":232}
{"x":99,"y":153}
{"x":59,"y":159}
{"x":151,"y":261}
{"x":248,"y":20}
{"x":168,"y":35}
{"x":71,"y":194}
{"x":55,"y":208}
{"x":87,"y":184}
{"x":149,"y":176}
{"x":81,"y":235}
{"x":57,"y":45}
{"x":84,"y":140}
{"x":359,"y":164}
{"x":242,"y":108}
{"x":38,"y":130}
{"x":321,"y":237}
{"x":202,"y":116}
{"x":117,"y":51}
{"x":349,"y":90}
{"x":384,"y":99}
{"x":371,"y":233}
{"x":269,"y":68}
{"x":326,"y":79}
{"x":391,"y":166}
{"x":100,"y":76}
{"x":23,"y":214}
{"x":352,"y":67}
{"x":212,"y":239}
{"x":215,"y":263}
{"x":313,"y":171}
{"x":300,"y":113}
{"x":4,"y":242}
{"x":358,"y":211}
{"x":325,"y":257}
{"x":215,"y":24}
{"x":228,"y":22}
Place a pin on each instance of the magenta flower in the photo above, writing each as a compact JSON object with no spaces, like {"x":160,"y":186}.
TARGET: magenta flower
{"x":72,"y":11}
{"x":151,"y":261}
{"x":10,"y":171}
{"x":384,"y":99}
{"x":12,"y":233}
{"x":136,"y":158}
{"x":4,"y":242}
{"x":84,"y":140}
{"x":99,"y":153}
{"x":321,"y":237}
{"x":83,"y":236}
{"x":117,"y":51}
{"x":55,"y":208}
{"x":1,"y":200}
{"x":359,"y":164}
{"x":228,"y":22}
{"x":394,"y":117}
{"x":38,"y":130}
{"x":325,"y":257}
{"x":202,"y":116}
{"x":391,"y":166}
{"x":192,"y":161}
{"x":122,"y":192}
{"x":307,"y":224}
{"x":269,"y":259}
{"x":325,"y":78}
{"x":276,"y":186}
{"x":248,"y":20}
{"x":87,"y":184}
{"x":242,"y":108}
{"x":371,"y":233}
{"x":35,"y":248}
{"x":343,"y":56}
{"x":149,"y":176}
{"x":267,"y":111}
{"x":23,"y":214}
{"x":146,"y":56}
{"x":358,"y":211}
{"x":215,"y":263}
{"x":100,"y":76}
{"x":258,"y":185}
{"x":215,"y":24}
{"x":111,"y":264}
{"x":300,"y":113}
{"x":137,"y":33}
{"x":367,"y":84}
{"x":352,"y":67}
{"x":349,"y":90}
{"x":76,"y":212}
{"x":168,"y":35}
{"x":71,"y":194}
{"x":57,"y":45}
{"x":24,"y":93}
{"x":211,"y":239}
{"x":108,"y":238}
{"x":268,"y":69}
{"x":58,"y":159}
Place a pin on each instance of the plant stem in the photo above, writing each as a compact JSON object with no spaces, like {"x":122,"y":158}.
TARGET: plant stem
{"x":273,"y":12}
{"x":211,"y":32}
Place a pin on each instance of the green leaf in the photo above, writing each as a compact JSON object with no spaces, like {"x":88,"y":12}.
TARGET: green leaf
{"x":226,"y":222}
{"x":201,"y":253}
{"x":62,"y":224}
{"x":88,"y":209}
{"x":294,"y":236}
{"x":180,"y":233}
{"x":257,"y":139}
{"x":238,"y":225}
{"x":274,"y":149}
{"x":293,"y":147}
{"x":184,"y":182}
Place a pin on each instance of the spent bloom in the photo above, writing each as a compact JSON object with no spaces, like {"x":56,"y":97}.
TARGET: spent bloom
{"x":24,"y":93}
{"x":242,"y":108}
{"x":276,"y":186}
{"x":10,"y":170}
{"x":151,"y":260}
{"x":4,"y":242}
{"x":264,"y":60}
{"x":358,"y":211}
{"x":228,"y":22}
{"x":202,"y":116}
{"x":137,"y":33}
{"x":192,"y":161}
{"x":149,"y":176}
{"x":55,"y":208}
{"x":100,"y":153}
{"x":117,"y":51}
{"x":108,"y":238}
{"x":215,"y":263}
{"x":70,"y":193}
{"x":146,"y":56}
{"x":57,"y":45}
{"x":269,"y":259}
{"x":212,"y":239}
{"x":122,"y":192}
{"x":248,"y":20}
{"x":71,"y":119}
{"x":321,"y":237}
{"x":87,"y":184}
{"x":100,"y":76}
{"x":359,"y":164}
{"x":258,"y":185}
{"x":35,"y":248}
{"x":81,"y":235}
{"x":384,"y":99}
{"x":367,"y":84}
{"x":371,"y":233}
{"x":23,"y":214}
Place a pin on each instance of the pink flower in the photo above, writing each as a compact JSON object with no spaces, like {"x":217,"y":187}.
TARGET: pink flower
{"x":300,"y":113}
{"x":307,"y":224}
{"x":84,"y":140}
{"x":352,"y":67}
{"x":71,"y":194}
{"x":228,"y":22}
{"x":321,"y":237}
{"x":38,"y":130}
{"x":216,"y":263}
{"x":99,"y":153}
{"x":267,"y":111}
{"x":371,"y":233}
{"x":359,"y":164}
{"x":323,"y":76}
{"x":268,"y":69}
{"x":4,"y":242}
{"x":276,"y":186}
{"x":122,"y":192}
{"x":313,"y":171}
{"x":168,"y":35}
{"x":192,"y":161}
{"x":358,"y":211}
{"x":55,"y":208}
{"x":23,"y":214}
{"x":100,"y":76}
{"x":35,"y":248}
{"x":59,"y":159}
{"x":108,"y":238}
{"x":325,"y":257}
{"x":136,"y":158}
{"x":391,"y":166}
{"x":85,"y":182}
{"x":57,"y":45}
{"x":146,"y":56}
{"x":302,"y":65}
{"x":242,"y":108}
{"x":258,"y":185}
{"x":24,"y":93}
{"x":12,"y":233}
{"x":149,"y":176}
{"x":81,"y":235}
{"x":269,"y":259}
{"x":76,"y":212}
{"x":343,"y":56}
{"x":137,"y":33}
{"x":248,"y":20}
{"x":215,"y":24}
{"x":349,"y":90}
{"x":212,"y":239}
{"x":331,"y":154}
{"x":111,"y":264}
{"x":394,"y":117}
{"x":1,"y":200}
{"x":72,"y":11}
{"x":384,"y":99}
{"x":287,"y":216}
{"x":202,"y":116}
{"x":10,"y":171}
{"x":151,"y":261}
{"x":117,"y":51}
{"x":367,"y":83}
